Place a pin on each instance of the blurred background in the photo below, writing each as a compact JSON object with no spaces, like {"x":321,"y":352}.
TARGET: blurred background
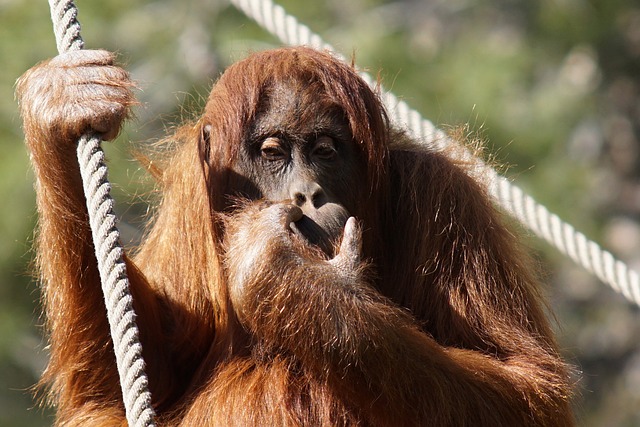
{"x":553,"y":86}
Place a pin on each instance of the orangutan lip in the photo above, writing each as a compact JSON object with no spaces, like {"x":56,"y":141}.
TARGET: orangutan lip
{"x":313,"y":234}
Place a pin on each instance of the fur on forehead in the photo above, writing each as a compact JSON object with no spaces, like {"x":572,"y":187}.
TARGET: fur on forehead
{"x":238,"y":96}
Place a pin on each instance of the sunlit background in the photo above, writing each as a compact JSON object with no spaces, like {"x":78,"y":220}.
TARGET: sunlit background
{"x":553,"y":86}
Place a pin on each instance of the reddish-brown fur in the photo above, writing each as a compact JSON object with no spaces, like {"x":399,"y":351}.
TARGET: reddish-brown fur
{"x":440,"y":325}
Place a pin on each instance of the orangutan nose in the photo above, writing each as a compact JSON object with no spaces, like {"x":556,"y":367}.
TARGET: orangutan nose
{"x":308,"y":193}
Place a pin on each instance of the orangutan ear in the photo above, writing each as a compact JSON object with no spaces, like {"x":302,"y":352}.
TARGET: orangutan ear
{"x":205,"y":143}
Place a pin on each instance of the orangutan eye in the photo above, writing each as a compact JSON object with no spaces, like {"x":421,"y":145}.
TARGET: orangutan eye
{"x":272,"y":150}
{"x":324,"y":149}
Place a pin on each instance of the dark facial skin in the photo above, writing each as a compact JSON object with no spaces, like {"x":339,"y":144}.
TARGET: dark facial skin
{"x":300,"y":150}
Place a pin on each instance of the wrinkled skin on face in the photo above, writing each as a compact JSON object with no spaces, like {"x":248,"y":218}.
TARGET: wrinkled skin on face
{"x":300,"y":151}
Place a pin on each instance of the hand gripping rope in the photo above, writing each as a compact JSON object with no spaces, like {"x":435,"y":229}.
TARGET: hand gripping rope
{"x":109,"y":252}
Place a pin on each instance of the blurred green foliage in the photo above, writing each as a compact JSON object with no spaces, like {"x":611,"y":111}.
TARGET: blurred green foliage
{"x":554,"y":87}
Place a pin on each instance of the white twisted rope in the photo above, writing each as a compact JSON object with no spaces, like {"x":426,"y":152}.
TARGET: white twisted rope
{"x":109,"y":252}
{"x":536,"y":217}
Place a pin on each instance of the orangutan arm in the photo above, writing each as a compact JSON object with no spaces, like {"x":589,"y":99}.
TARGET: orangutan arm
{"x":61,"y":99}
{"x":326,"y":315}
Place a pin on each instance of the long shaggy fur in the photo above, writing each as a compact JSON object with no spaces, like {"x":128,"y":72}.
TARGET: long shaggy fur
{"x":440,"y":323}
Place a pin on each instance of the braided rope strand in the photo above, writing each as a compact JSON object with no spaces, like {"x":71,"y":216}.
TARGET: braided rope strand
{"x":109,"y":252}
{"x":66,"y":27}
{"x":510,"y":197}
